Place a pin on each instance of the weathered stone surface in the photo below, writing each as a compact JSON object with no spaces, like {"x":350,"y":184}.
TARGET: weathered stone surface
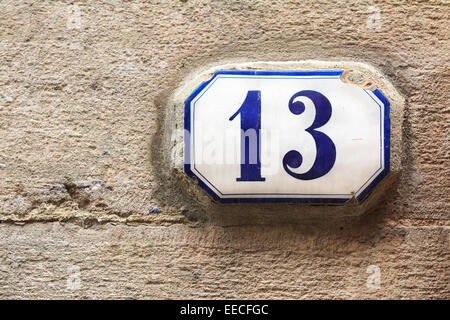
{"x":82,"y":108}
{"x":321,"y":260}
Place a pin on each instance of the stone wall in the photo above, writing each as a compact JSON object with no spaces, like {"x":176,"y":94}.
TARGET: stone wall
{"x":88,"y":210}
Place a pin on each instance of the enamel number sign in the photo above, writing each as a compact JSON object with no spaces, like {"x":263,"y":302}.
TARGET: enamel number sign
{"x":286,"y":136}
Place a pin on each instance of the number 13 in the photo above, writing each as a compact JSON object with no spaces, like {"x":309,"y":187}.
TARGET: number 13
{"x":250,"y":112}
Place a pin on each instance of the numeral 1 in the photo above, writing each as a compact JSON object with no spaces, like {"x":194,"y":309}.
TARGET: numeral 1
{"x":250,"y":112}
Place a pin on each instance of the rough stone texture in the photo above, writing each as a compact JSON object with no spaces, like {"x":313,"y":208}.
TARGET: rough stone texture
{"x":81,"y":164}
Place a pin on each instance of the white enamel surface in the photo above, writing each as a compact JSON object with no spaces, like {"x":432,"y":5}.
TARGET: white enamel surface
{"x":355,"y":127}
